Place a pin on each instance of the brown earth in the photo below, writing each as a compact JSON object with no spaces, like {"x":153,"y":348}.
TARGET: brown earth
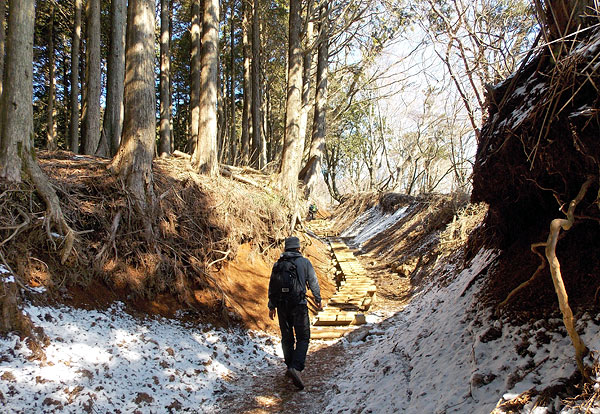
{"x":211,"y":255}
{"x":272,"y":392}
{"x":537,"y":148}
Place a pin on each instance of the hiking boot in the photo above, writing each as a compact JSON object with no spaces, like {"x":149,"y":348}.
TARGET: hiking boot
{"x":295,"y":376}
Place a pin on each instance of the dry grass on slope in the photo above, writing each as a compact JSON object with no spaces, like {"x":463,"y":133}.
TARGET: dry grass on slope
{"x":433,"y":227}
{"x":199,"y":224}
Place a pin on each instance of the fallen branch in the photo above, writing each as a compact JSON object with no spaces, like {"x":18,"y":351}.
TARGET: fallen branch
{"x":227,"y":173}
{"x":180,"y":154}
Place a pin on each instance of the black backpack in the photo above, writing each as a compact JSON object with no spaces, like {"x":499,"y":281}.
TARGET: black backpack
{"x":285,"y":285}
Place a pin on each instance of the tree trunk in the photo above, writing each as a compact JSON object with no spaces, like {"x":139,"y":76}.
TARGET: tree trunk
{"x":16,"y":117}
{"x":563,"y":17}
{"x":317,"y":149}
{"x":133,"y":162}
{"x":113,"y":114}
{"x":222,"y":118}
{"x":65,"y":81}
{"x":292,"y":147}
{"x":233,"y":146}
{"x":307,"y":65}
{"x":75,"y":41}
{"x":165,"y":79}
{"x":92,"y":118}
{"x":257,"y":158}
{"x":245,"y":140}
{"x":195,"y":77}
{"x":16,"y":110}
{"x":51,"y":143}
{"x":2,"y":37}
{"x":205,"y":154}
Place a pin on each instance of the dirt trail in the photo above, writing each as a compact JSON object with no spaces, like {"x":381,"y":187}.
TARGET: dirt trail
{"x":270,"y":391}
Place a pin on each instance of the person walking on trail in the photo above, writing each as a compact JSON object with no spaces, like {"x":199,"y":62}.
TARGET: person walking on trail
{"x":312,"y":211}
{"x":287,"y":299}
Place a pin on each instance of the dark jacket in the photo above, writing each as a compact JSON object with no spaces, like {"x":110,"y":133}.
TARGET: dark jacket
{"x":306,"y":274}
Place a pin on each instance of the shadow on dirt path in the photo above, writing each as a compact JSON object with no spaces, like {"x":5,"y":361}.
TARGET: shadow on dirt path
{"x":272,"y":392}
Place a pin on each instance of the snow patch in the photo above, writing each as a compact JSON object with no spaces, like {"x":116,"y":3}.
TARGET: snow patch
{"x":109,"y":360}
{"x":446,"y":353}
{"x":372,"y":222}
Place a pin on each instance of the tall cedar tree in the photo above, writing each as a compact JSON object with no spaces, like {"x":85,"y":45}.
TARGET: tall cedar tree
{"x":164,"y":146}
{"x":195,"y":76}
{"x":293,"y":147}
{"x":16,"y":117}
{"x":245,"y":140}
{"x":307,"y":66}
{"x":205,"y":152}
{"x":93,"y":87}
{"x":317,"y":149}
{"x":51,"y":143}
{"x":258,"y":158}
{"x":133,"y":162}
{"x":113,"y":114}
{"x":75,"y":43}
{"x":233,"y":144}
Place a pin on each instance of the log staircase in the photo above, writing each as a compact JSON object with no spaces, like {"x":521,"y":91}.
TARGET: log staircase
{"x":347,"y":308}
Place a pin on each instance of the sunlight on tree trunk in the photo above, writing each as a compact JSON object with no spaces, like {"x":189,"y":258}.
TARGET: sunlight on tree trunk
{"x":257,"y":157}
{"x":113,"y":114}
{"x":133,"y":162}
{"x":292,"y":147}
{"x":194,"y":77}
{"x":308,"y":40}
{"x":93,"y":80}
{"x":205,"y":153}
{"x":317,"y":149}
{"x":245,"y":139}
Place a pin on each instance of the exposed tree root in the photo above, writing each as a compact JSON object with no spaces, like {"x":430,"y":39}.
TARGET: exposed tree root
{"x":53,"y":210}
{"x":528,"y":282}
{"x":550,"y":251}
{"x":563,"y":300}
{"x":559,"y":286}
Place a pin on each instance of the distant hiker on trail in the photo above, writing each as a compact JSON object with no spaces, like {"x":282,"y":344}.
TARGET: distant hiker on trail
{"x":287,"y":297}
{"x":312,"y":211}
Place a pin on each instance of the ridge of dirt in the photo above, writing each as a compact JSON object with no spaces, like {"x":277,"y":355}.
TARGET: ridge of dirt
{"x":211,"y":256}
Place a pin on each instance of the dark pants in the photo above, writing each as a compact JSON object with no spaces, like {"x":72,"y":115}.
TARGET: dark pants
{"x":294,"y":319}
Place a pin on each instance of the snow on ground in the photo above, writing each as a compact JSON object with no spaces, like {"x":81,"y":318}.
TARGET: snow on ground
{"x":110,"y":362}
{"x":445,"y":353}
{"x":372,"y":222}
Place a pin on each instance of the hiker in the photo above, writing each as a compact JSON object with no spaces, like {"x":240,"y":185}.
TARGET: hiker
{"x":312,"y":211}
{"x":287,"y":299}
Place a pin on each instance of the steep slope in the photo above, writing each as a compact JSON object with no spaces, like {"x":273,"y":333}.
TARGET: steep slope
{"x":537,"y":149}
{"x":449,"y":351}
